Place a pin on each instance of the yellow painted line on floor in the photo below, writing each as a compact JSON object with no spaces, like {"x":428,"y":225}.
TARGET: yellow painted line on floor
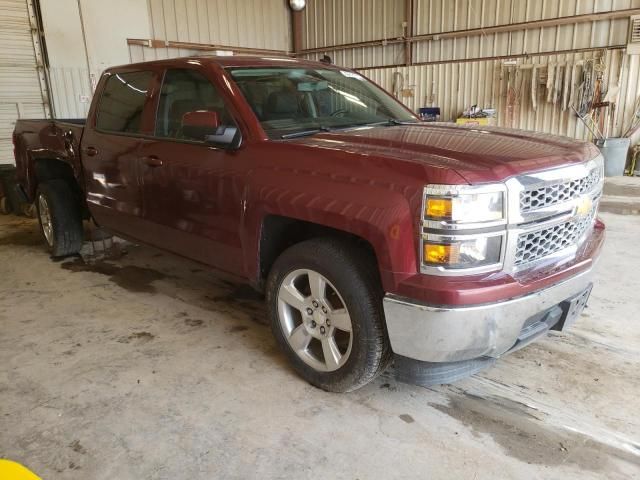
{"x":10,"y":470}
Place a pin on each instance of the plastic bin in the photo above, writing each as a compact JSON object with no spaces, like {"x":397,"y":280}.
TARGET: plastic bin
{"x":615,"y":152}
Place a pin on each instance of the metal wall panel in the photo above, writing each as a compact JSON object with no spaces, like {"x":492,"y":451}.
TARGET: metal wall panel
{"x":365,"y":56}
{"x":138,"y":53}
{"x":22,"y":92}
{"x":436,"y":16}
{"x":85,"y":37}
{"x":330,"y":22}
{"x":240,"y":23}
{"x":334,"y":22}
{"x":71,"y":91}
{"x":456,"y":86}
{"x":261,"y":24}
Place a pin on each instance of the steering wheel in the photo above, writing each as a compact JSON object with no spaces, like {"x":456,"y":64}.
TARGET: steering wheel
{"x":339,"y":113}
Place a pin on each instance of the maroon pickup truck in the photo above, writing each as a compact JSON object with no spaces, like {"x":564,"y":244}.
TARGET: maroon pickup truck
{"x":374,"y":236}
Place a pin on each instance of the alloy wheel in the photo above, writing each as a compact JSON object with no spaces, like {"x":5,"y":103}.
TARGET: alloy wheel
{"x":315,"y":320}
{"x":45,"y":219}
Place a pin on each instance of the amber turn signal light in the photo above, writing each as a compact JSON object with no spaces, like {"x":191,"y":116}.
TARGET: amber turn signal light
{"x":441,"y":254}
{"x":438,"y":208}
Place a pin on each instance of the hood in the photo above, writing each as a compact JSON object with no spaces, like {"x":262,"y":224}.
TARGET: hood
{"x":479,"y":155}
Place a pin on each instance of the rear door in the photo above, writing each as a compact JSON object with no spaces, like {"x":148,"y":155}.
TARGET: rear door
{"x":192,"y":197}
{"x":109,"y":150}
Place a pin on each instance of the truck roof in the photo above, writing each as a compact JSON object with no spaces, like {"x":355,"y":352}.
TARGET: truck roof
{"x":230,"y":61}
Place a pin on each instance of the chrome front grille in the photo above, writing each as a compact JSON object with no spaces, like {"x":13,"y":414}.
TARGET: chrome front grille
{"x":554,"y":194}
{"x":551,"y":213}
{"x":538,"y":244}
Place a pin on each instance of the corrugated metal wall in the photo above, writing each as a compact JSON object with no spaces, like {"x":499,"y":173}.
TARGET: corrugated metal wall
{"x":70,"y":91}
{"x":240,"y":23}
{"x":332,"y":22}
{"x":85,"y":37}
{"x":22,"y":83}
{"x":434,"y":16}
{"x":456,"y":86}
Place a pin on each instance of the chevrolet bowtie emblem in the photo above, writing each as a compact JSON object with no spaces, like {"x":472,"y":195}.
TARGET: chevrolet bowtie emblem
{"x":585,"y":204}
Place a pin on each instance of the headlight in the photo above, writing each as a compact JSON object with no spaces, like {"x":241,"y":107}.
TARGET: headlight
{"x":463,"y":228}
{"x":454,"y":252}
{"x":459,"y":205}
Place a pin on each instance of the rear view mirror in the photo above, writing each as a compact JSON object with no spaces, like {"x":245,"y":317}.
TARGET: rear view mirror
{"x":312,"y":86}
{"x":204,"y":125}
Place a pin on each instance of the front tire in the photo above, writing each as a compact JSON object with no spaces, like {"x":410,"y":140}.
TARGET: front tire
{"x":325,"y":304}
{"x":60,"y":218}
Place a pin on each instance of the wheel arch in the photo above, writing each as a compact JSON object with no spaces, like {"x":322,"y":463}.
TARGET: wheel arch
{"x":278,"y":233}
{"x":51,"y":168}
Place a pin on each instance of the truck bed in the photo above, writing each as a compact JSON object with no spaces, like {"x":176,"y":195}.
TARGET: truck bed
{"x":51,"y":139}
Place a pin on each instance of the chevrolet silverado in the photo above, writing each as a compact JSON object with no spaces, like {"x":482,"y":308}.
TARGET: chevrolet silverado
{"x":373,"y":235}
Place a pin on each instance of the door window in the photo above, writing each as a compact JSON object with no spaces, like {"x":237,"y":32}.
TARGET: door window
{"x":185,"y":91}
{"x":122,"y":102}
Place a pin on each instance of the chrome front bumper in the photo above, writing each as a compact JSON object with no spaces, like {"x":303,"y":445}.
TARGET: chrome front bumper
{"x":450,"y":334}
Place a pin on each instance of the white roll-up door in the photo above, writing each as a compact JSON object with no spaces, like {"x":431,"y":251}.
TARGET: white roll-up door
{"x":22,"y":82}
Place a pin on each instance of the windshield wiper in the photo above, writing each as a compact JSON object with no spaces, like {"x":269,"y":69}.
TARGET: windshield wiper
{"x":304,"y":133}
{"x":389,"y":122}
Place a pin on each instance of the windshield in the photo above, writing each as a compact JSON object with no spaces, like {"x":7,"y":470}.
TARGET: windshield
{"x":292,"y":101}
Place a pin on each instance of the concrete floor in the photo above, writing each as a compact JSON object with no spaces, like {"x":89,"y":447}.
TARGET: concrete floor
{"x":152,"y":367}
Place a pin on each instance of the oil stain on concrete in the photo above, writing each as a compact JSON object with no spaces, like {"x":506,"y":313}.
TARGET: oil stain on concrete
{"x":23,"y":238}
{"x":138,"y":337}
{"x":130,"y":277}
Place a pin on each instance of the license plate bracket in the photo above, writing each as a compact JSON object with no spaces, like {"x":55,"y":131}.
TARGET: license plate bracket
{"x":574,"y":306}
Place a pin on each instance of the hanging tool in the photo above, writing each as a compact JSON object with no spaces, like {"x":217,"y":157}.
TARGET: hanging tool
{"x":602,"y":117}
{"x":611,"y":120}
{"x":398,"y":84}
{"x":557,"y":84}
{"x":568,"y":71}
{"x":551,"y":71}
{"x":586,"y":89}
{"x":534,"y":87}
{"x":574,"y":79}
{"x":591,"y":126}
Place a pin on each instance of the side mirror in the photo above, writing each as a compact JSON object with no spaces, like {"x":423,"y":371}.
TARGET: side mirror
{"x":200,"y":123}
{"x":204,"y":125}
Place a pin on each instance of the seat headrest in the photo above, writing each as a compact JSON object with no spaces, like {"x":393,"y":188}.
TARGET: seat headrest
{"x":180,"y":107}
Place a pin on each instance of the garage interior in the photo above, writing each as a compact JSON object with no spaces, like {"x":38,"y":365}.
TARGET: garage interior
{"x":130,"y":362}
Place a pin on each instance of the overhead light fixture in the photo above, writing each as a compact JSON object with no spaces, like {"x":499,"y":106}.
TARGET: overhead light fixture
{"x":297,"y":5}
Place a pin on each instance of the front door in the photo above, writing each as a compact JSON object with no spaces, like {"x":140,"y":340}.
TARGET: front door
{"x":190,"y":195}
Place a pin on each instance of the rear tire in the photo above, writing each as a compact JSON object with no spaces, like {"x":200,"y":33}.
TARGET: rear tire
{"x":353,"y":301}
{"x":60,"y":218}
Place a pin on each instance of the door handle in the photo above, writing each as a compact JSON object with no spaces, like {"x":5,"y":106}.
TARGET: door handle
{"x":152,"y":161}
{"x":91,"y":151}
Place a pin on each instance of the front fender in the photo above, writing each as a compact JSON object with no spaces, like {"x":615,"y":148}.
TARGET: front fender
{"x":373,"y":211}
